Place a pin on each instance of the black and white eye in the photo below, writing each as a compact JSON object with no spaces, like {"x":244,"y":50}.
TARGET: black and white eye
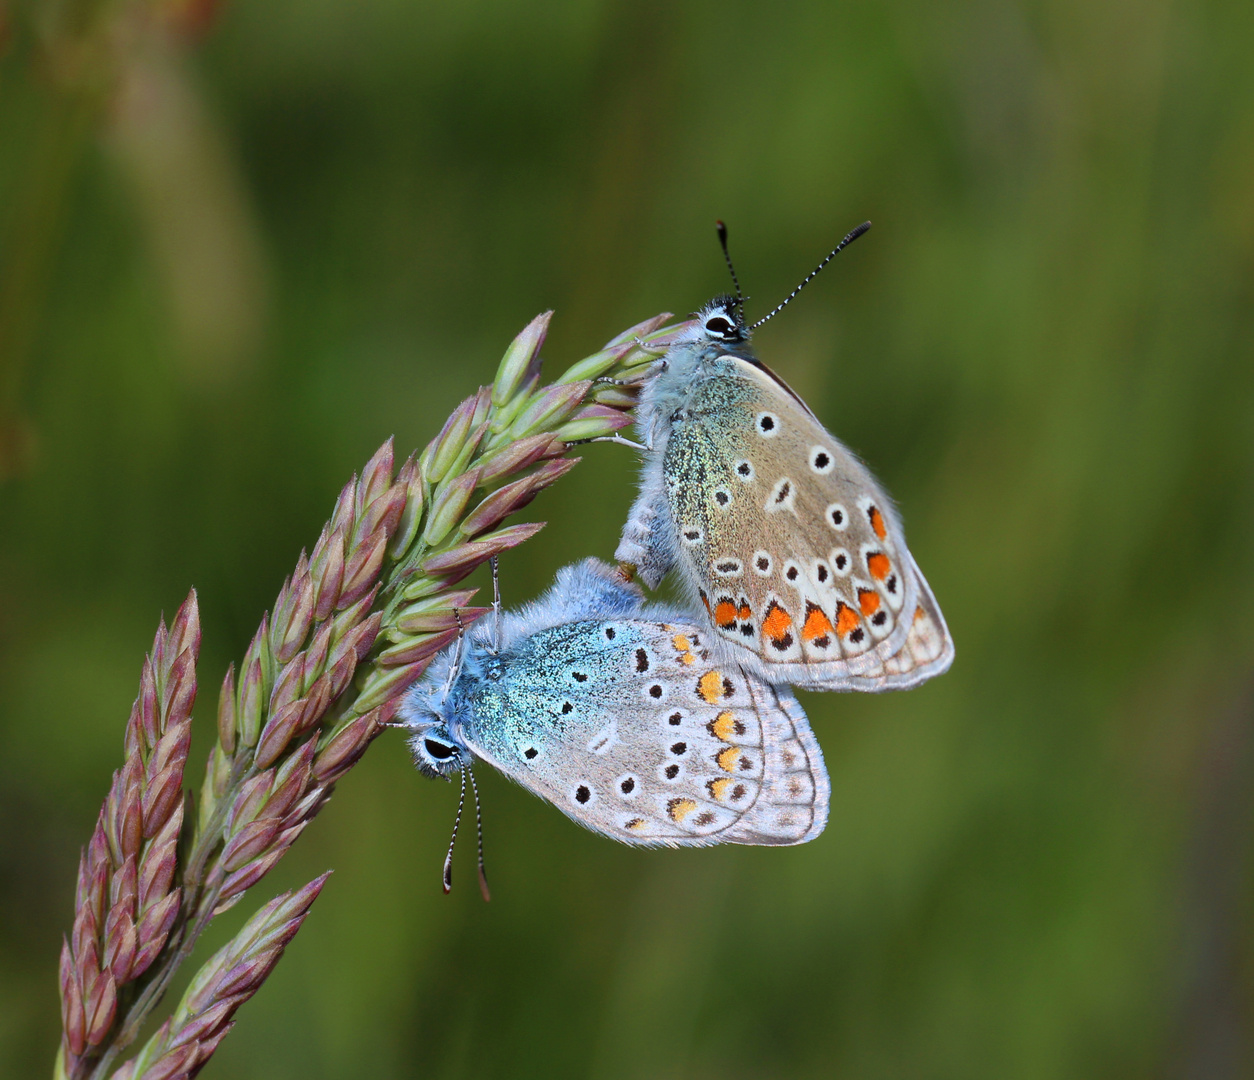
{"x":762,"y":563}
{"x":439,"y":749}
{"x":837,"y":517}
{"x":719,"y":325}
{"x":722,"y":497}
{"x":821,"y":460}
{"x":744,"y":470}
{"x":767,"y":424}
{"x":582,"y":794}
{"x":692,"y":534}
{"x":839,"y":559}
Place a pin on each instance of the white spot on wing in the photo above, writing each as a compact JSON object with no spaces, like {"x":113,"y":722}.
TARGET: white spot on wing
{"x":766,"y":424}
{"x":783,"y":496}
{"x":604,"y":739}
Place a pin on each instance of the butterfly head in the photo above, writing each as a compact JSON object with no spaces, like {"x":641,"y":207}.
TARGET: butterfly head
{"x":721,"y":322}
{"x":436,"y":753}
{"x":424,"y":715}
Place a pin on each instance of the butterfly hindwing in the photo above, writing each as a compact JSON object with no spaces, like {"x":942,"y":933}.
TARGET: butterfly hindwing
{"x":632,"y":727}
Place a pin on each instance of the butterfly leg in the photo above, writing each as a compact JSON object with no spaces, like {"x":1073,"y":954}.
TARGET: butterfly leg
{"x":643,"y":447}
{"x":459,"y":650}
{"x":651,"y":350}
{"x":611,"y":438}
{"x":605,"y":380}
{"x":496,"y":605}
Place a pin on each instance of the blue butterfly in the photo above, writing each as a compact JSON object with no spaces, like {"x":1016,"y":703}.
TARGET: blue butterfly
{"x":619,"y":715}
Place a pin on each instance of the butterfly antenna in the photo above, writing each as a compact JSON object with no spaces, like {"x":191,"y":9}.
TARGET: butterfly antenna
{"x":496,"y":605}
{"x":814,"y":273}
{"x":457,"y":821}
{"x":483,"y":873}
{"x":722,"y":239}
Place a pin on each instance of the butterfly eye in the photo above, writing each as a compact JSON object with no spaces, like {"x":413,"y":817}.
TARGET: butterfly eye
{"x":718,"y":325}
{"x":438,"y":750}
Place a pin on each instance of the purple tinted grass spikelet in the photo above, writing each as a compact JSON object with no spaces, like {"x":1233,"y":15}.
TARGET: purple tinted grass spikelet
{"x":359,"y":620}
{"x":230,"y":977}
{"x":127,"y":898}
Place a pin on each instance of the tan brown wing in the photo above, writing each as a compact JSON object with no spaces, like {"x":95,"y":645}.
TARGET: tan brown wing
{"x":792,"y":546}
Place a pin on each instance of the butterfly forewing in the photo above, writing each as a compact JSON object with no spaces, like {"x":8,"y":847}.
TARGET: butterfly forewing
{"x":790,"y":544}
{"x":635,"y":730}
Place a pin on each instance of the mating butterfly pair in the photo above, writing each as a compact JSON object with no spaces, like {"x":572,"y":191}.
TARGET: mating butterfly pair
{"x":658,"y":726}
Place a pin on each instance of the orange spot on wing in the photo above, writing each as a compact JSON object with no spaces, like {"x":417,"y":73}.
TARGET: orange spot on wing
{"x":777,"y":622}
{"x":744,"y":613}
{"x":816,"y":625}
{"x":681,"y":643}
{"x":680,"y":808}
{"x":919,"y":613}
{"x":877,"y":522}
{"x":688,"y":658}
{"x":846,"y":620}
{"x":717,"y":787}
{"x":725,"y":615}
{"x":879,"y":565}
{"x":868,"y":601}
{"x":723,"y":726}
{"x":727,"y":758}
{"x":710,"y":686}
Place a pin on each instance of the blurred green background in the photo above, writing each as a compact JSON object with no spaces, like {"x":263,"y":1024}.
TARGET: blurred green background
{"x":242,"y":245}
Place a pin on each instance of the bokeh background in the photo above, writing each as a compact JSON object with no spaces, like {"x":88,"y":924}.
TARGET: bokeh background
{"x":240,"y":245}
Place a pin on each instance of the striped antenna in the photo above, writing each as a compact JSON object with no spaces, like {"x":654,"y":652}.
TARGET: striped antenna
{"x":813,"y":273}
{"x":483,"y":873}
{"x":447,"y":877}
{"x":722,"y":239}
